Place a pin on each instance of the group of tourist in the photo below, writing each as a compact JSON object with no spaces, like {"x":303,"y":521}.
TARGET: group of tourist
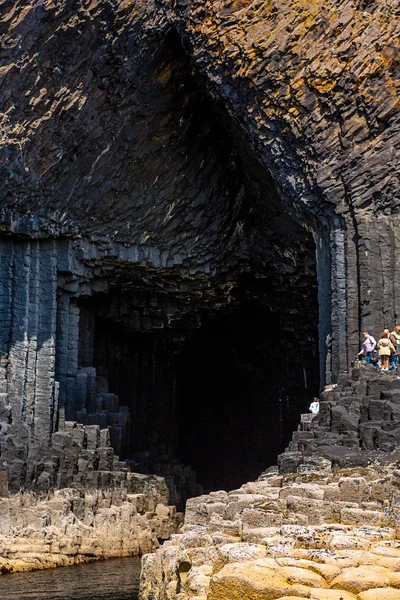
{"x":383,"y":354}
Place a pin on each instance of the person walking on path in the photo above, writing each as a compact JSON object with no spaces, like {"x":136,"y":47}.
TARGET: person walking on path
{"x":385,"y":348}
{"x":369,"y":346}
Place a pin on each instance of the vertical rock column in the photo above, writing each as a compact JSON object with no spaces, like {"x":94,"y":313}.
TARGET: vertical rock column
{"x":364,"y":281}
{"x":396,"y":278}
{"x":6,"y":285}
{"x":19,"y":345}
{"x":62,"y":355}
{"x":338,"y":296}
{"x":86,"y":337}
{"x":353,"y":287}
{"x":28,"y":284}
{"x":46,"y":353}
{"x":379,"y":265}
{"x":35,"y":292}
{"x":324,"y":303}
{"x":72,"y":366}
{"x":67,"y":356}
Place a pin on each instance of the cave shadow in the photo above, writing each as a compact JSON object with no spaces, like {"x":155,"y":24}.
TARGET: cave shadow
{"x":242,"y":383}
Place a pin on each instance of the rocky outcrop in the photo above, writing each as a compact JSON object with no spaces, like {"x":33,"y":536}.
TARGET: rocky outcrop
{"x":208,"y":133}
{"x":184,"y":160}
{"x":358,"y":423}
{"x":322,"y":525}
{"x":315,"y":90}
{"x":321,"y":535}
{"x":128,"y":222}
{"x":168,"y":164}
{"x":216,"y":137}
{"x":77,"y":525}
{"x":89,"y":335}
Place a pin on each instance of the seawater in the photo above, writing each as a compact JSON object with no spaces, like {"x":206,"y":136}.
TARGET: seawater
{"x":116,"y":579}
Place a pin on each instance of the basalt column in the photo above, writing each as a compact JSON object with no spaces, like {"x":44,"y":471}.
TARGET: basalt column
{"x":28,"y":303}
{"x":364,"y":283}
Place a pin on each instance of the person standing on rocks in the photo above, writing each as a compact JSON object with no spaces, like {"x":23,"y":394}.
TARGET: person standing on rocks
{"x":394,"y":356}
{"x":396,"y":334}
{"x":369,"y":346}
{"x":314,"y":406}
{"x":385,"y":348}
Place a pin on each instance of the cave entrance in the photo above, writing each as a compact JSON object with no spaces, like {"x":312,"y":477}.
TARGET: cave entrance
{"x":243,"y":381}
{"x":135,"y":377}
{"x":209,"y":345}
{"x":140,"y":371}
{"x":222,"y":393}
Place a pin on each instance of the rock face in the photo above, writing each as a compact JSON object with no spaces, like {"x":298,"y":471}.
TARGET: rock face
{"x":132,"y":215}
{"x":323,"y":526}
{"x":321,"y":535}
{"x":279,"y":116}
{"x":70,"y":526}
{"x":167,"y":168}
{"x":315,"y":91}
{"x":358,"y":423}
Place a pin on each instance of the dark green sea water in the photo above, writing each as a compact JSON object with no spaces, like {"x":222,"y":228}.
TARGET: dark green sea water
{"x":101,"y":580}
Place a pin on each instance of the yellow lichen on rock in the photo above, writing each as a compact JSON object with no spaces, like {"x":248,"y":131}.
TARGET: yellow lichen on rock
{"x":254,"y":581}
{"x":380,"y":594}
{"x":246,"y":550}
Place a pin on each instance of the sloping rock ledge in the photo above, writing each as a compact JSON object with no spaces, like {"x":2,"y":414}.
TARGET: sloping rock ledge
{"x":69,"y":526}
{"x":328,"y":530}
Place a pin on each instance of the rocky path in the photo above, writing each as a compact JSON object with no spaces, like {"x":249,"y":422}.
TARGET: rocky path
{"x":321,"y":531}
{"x":358,"y":423}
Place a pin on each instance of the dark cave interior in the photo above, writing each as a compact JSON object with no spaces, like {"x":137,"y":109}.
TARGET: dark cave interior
{"x":241,"y":387}
{"x":223,"y":397}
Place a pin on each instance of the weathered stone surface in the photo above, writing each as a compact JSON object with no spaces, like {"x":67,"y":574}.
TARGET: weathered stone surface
{"x":312,"y":554}
{"x":152,"y":156}
{"x":70,"y":526}
{"x":352,"y":429}
{"x":323,"y":533}
{"x":314,"y":123}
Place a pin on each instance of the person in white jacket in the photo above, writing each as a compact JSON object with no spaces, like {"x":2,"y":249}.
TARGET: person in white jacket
{"x":314,"y":406}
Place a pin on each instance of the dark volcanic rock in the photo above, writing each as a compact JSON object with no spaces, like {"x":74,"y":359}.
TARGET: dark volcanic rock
{"x":164,"y":165}
{"x":357,"y":425}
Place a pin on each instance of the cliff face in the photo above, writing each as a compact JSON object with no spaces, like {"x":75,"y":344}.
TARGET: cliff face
{"x":316,"y":91}
{"x":111,"y":128}
{"x":133,"y":215}
{"x":315,"y":88}
{"x":166,"y":169}
{"x":71,"y":526}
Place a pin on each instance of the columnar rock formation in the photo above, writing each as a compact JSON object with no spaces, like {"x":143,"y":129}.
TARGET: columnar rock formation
{"x":166,"y":168}
{"x":322,"y":526}
{"x":358,"y":423}
{"x":315,"y":90}
{"x":131,"y":216}
{"x":324,"y":536}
